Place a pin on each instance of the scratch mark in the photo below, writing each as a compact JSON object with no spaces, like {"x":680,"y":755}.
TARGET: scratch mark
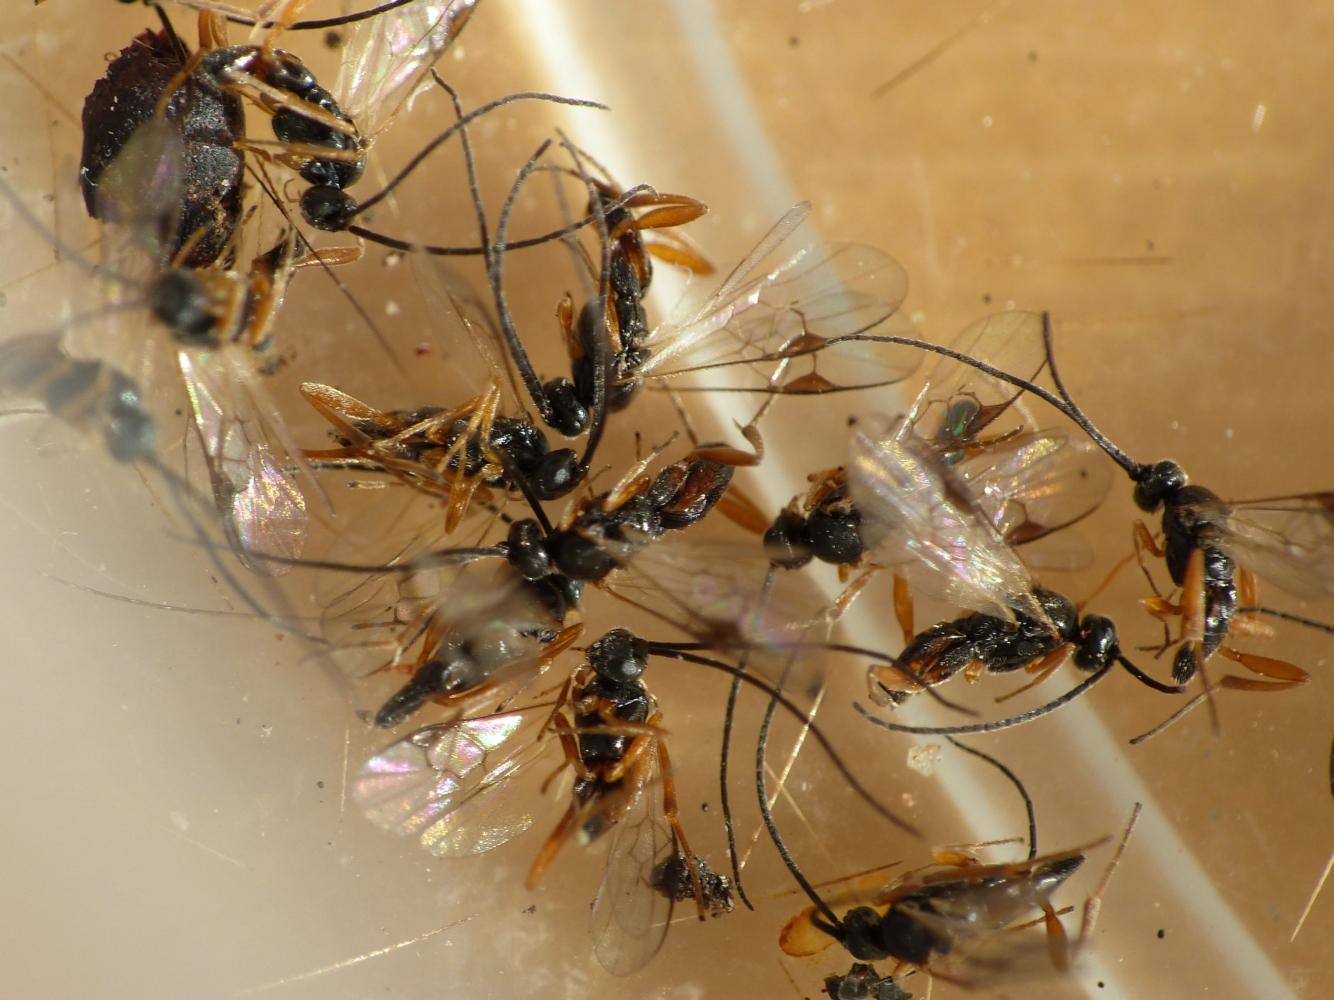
{"x":347,"y":962}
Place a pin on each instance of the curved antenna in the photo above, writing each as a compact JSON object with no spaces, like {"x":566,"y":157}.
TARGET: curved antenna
{"x":1133,"y":468}
{"x":725,"y":751}
{"x":480,"y":251}
{"x":518,"y":354}
{"x":1019,"y":787}
{"x":1062,"y":402}
{"x":1146,"y":680}
{"x":464,"y":122}
{"x":854,"y":783}
{"x":841,"y":647}
{"x":784,"y":852}
{"x":428,"y":560}
{"x":313,"y":24}
{"x":990,"y":727}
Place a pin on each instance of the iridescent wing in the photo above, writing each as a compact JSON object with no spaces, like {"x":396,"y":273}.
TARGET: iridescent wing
{"x":1288,"y":541}
{"x":389,"y":57}
{"x":630,"y":917}
{"x":959,"y":406}
{"x":802,"y":315}
{"x":921,"y":520}
{"x":263,"y":510}
{"x":1032,"y":484}
{"x":720,"y":590}
{"x":453,"y":785}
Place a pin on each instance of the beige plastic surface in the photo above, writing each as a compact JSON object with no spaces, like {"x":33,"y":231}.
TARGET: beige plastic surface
{"x":175,"y":821}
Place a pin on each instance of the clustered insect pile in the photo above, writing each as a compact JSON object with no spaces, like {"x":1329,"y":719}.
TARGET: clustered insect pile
{"x":501,"y":670}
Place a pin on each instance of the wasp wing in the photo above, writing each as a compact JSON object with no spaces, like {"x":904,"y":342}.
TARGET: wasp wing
{"x":919,"y":518}
{"x":630,"y":917}
{"x":959,"y":404}
{"x":1033,"y":484}
{"x":452,"y":785}
{"x":263,"y":510}
{"x":760,"y":324}
{"x":390,"y":56}
{"x":1289,"y":541}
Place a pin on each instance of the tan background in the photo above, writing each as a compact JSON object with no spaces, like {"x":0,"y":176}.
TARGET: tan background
{"x":1159,"y":180}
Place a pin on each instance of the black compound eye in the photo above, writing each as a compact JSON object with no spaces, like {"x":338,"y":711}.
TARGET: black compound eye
{"x":328,"y":208}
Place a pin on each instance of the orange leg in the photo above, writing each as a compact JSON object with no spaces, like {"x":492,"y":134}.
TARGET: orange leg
{"x":1283,"y":675}
{"x":672,"y":812}
{"x":1041,"y":669}
{"x":903,"y":608}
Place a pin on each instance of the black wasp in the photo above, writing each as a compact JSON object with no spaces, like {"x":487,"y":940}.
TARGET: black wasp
{"x":941,"y":497}
{"x":460,"y":788}
{"x":598,"y":535}
{"x":471,"y":632}
{"x":1215,"y":549}
{"x":325,"y":135}
{"x":955,"y":919}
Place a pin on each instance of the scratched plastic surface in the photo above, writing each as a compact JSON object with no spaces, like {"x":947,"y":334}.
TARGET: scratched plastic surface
{"x":175,"y":822}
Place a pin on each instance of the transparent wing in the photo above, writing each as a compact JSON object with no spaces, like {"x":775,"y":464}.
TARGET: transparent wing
{"x":721,"y":590}
{"x":139,"y":197}
{"x":1036,"y":483}
{"x":138,"y":209}
{"x":452,"y":786}
{"x":1288,"y":541}
{"x":471,"y":347}
{"x":630,"y":917}
{"x":959,"y":404}
{"x":920,"y":519}
{"x":975,"y":914}
{"x":263,"y":510}
{"x":792,"y":328}
{"x":389,"y":57}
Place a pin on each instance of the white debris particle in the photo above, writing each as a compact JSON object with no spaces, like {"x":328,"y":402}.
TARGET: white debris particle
{"x":923,"y":759}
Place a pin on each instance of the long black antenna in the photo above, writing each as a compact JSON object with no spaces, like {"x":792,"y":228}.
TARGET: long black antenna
{"x":1062,"y":402}
{"x":518,"y":354}
{"x":1286,"y":616}
{"x":729,"y":721}
{"x":472,"y":250}
{"x":784,"y":852}
{"x":1019,"y":786}
{"x":464,"y":122}
{"x":323,"y":22}
{"x":991,"y":727}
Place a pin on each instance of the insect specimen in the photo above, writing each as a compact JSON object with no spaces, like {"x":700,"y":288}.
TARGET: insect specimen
{"x":150,"y":80}
{"x":956,"y":919}
{"x":457,"y":787}
{"x":1214,"y":549}
{"x":211,"y":323}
